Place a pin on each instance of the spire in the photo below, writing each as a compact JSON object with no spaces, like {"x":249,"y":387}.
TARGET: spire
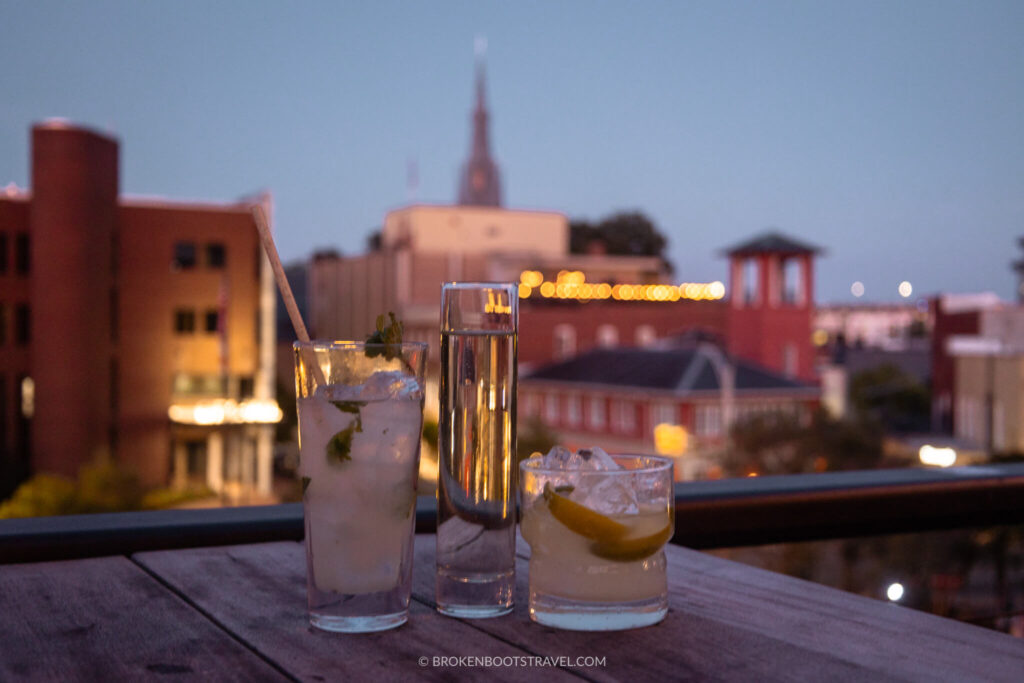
{"x":479,"y":184}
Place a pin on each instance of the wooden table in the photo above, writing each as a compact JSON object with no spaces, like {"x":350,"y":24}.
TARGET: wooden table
{"x":238,"y":613}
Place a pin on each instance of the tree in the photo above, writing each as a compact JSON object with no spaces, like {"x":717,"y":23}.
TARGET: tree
{"x":628,"y":233}
{"x":780,"y":444}
{"x":892,"y":397}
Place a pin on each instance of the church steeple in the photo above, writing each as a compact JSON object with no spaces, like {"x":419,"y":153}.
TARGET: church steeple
{"x":479,"y":184}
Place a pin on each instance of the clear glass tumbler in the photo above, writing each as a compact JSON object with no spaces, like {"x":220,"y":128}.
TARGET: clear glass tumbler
{"x":477,"y":442}
{"x":360,"y":419}
{"x":596,"y":542}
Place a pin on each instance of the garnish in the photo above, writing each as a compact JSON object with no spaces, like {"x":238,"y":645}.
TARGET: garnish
{"x":387,"y":340}
{"x":305,"y":484}
{"x":339,"y":448}
{"x":348,"y":406}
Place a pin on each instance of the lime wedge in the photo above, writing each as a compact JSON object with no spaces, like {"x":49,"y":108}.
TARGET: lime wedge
{"x":581,"y":519}
{"x":631,"y":548}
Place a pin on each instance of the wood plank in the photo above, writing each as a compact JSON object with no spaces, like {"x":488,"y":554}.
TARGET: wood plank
{"x":259,"y":593}
{"x":724,"y":606}
{"x":106,"y":619}
{"x":885,"y":637}
{"x":682,"y":647}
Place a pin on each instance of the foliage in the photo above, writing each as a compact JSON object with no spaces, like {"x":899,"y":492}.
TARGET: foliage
{"x":533,"y":436}
{"x":622,"y":234}
{"x":892,"y":397}
{"x":780,"y":444}
{"x":101,"y":486}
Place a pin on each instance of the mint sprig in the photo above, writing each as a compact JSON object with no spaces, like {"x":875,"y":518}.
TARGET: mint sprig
{"x":387,"y":340}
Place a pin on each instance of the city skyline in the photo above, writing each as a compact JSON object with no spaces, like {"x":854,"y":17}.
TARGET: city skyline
{"x":887,"y":134}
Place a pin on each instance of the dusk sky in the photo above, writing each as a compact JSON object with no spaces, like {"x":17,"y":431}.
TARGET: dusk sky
{"x":889,"y":133}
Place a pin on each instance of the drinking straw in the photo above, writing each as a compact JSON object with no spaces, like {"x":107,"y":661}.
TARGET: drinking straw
{"x":286,"y":291}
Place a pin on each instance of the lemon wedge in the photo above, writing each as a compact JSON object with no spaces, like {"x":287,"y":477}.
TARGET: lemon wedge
{"x":633,"y":547}
{"x":581,"y":519}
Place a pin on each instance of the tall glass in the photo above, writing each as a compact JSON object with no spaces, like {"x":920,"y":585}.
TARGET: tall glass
{"x":360,"y":419}
{"x":596,"y":542}
{"x":477,"y":442}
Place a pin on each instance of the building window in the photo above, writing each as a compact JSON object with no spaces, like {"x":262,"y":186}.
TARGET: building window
{"x":596,"y":413}
{"x":3,"y":253}
{"x":551,"y":409}
{"x":530,"y":407}
{"x":790,"y":360}
{"x":216,"y":255}
{"x":607,"y":336}
{"x":708,"y":420}
{"x":573,"y":411}
{"x":212,"y":320}
{"x":28,"y":397}
{"x":792,"y":282}
{"x":184,"y":321}
{"x":22,"y":257}
{"x":644,"y":335}
{"x":663,"y":413}
{"x":750,"y":283}
{"x":22,"y":325}
{"x":565,"y":341}
{"x":184,"y":256}
{"x":3,"y":324}
{"x":623,"y":417}
{"x":246,"y":386}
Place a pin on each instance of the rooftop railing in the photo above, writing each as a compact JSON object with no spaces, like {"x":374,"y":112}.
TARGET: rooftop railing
{"x":709,"y":514}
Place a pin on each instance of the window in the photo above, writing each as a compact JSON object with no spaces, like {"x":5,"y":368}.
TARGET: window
{"x":22,"y":325}
{"x":551,"y":408}
{"x":184,"y":256}
{"x":663,"y":413}
{"x":792,"y":282}
{"x":21,"y":253}
{"x":750,"y":284}
{"x":623,"y":416}
{"x":596,"y":413}
{"x":3,"y":323}
{"x":3,"y":253}
{"x":644,"y":335}
{"x":212,"y":320}
{"x":184,"y":321}
{"x":565,"y":341}
{"x":246,"y":386}
{"x":573,"y":412}
{"x":530,"y":405}
{"x":607,"y":336}
{"x":709,"y":420}
{"x":216,"y":255}
{"x":790,"y":360}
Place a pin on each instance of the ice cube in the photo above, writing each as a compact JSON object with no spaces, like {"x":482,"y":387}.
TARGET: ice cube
{"x":610,"y":495}
{"x":588,"y":459}
{"x":390,"y":384}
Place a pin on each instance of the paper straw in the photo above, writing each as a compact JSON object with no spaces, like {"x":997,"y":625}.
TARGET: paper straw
{"x":286,"y":291}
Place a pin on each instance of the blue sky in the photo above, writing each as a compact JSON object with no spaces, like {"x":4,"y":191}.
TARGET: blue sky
{"x":890,"y":133}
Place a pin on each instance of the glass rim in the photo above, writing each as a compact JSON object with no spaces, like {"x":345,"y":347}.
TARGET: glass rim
{"x":663,"y":463}
{"x":458,"y":284}
{"x":341,"y":345}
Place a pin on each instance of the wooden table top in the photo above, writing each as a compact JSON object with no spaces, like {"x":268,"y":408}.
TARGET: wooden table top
{"x":238,"y":613}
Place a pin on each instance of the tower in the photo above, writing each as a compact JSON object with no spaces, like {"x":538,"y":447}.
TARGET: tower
{"x":771,"y":303}
{"x":479,"y":184}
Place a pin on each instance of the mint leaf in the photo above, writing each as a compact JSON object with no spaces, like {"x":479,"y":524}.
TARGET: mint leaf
{"x":348,"y":406}
{"x":305,"y":484}
{"x":339,"y":448}
{"x":565,"y":488}
{"x":387,"y":340}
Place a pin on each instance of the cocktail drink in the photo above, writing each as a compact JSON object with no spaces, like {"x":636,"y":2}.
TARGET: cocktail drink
{"x":596,"y":525}
{"x":359,"y":441}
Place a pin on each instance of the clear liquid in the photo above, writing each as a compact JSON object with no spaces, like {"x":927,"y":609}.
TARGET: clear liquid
{"x":476,"y":487}
{"x":359,"y":514}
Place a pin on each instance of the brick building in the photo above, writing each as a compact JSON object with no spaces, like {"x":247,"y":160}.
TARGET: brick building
{"x":136,"y":328}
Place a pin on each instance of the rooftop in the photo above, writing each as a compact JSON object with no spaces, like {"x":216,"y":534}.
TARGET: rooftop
{"x":772,"y":242}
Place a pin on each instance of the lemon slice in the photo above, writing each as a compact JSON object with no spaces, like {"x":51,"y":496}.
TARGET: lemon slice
{"x":581,"y":519}
{"x":633,"y":547}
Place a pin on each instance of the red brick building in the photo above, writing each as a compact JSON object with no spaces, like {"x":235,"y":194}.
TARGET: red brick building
{"x":117,"y":312}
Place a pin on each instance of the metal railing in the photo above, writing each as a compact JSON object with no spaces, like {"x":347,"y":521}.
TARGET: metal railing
{"x":709,"y":514}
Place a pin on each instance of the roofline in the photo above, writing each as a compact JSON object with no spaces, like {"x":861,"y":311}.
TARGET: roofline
{"x":156,"y":202}
{"x":809,"y":390}
{"x":427,"y":205}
